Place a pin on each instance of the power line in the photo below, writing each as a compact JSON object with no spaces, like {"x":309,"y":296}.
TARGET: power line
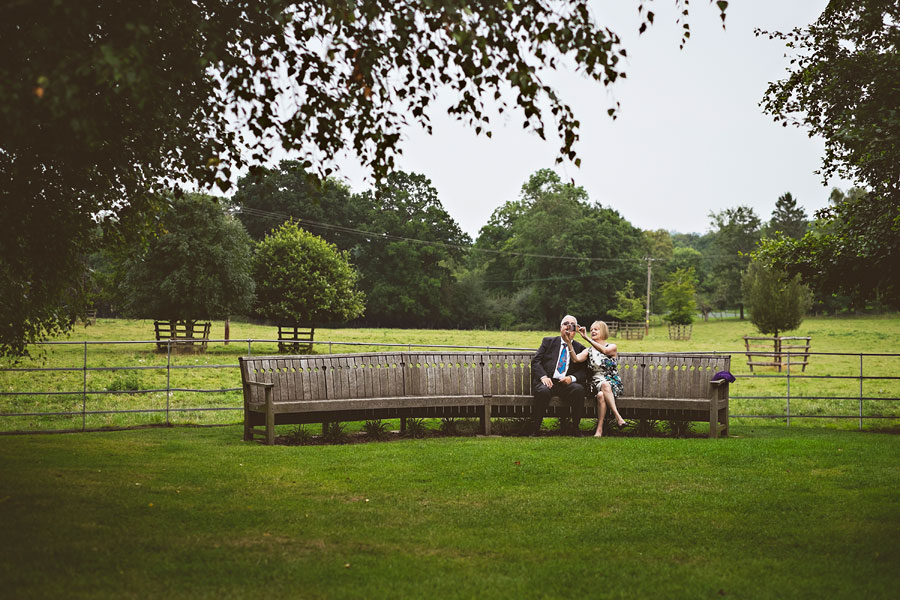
{"x":387,"y":236}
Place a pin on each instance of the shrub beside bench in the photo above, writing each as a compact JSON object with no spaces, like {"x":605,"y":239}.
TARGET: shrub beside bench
{"x":356,"y":387}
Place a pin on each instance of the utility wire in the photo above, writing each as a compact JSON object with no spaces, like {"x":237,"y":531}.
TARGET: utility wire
{"x":387,"y":236}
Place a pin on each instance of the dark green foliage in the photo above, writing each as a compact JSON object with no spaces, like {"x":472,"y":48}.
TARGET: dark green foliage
{"x":629,"y":307}
{"x":852,"y":249}
{"x":198,"y":266}
{"x":554,"y":219}
{"x":843,"y":86}
{"x":644,"y":427}
{"x":268,"y":197}
{"x":678,"y":296}
{"x":777,"y":302}
{"x":302,"y":436}
{"x":416,"y":428}
{"x":736,"y":232}
{"x":334,"y":433}
{"x":788,"y":218}
{"x":678,"y":428}
{"x":449,"y":426}
{"x":375,"y":429}
{"x":509,"y":426}
{"x":102,"y":101}
{"x":301,"y":278}
{"x":406,"y":267}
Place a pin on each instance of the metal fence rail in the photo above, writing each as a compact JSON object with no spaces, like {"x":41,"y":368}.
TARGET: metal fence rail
{"x":170,"y":390}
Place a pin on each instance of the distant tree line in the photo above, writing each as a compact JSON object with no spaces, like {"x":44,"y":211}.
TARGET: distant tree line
{"x":289,"y":247}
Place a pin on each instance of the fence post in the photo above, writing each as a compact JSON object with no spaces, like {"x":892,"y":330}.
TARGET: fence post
{"x":860,"y":391}
{"x":84,"y":392}
{"x":249,"y":351}
{"x":788,"y":385}
{"x":168,"y":377}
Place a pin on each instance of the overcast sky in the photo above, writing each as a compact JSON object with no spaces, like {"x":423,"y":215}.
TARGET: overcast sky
{"x":690,"y":137}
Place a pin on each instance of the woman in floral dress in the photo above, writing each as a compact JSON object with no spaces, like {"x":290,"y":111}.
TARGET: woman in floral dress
{"x":604,"y":362}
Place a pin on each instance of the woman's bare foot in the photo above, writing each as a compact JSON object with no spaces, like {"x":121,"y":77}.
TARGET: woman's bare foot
{"x":621,"y":423}
{"x":598,"y":433}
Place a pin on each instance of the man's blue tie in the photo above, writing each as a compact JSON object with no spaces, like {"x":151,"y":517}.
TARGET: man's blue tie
{"x":563,"y":360}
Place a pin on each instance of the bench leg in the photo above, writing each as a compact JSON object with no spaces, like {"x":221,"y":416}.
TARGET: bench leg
{"x":713,"y":420}
{"x":486,"y":419}
{"x":248,"y":429}
{"x":270,"y":418}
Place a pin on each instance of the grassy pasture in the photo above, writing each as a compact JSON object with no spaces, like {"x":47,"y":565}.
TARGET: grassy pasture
{"x":877,"y":334}
{"x":196,"y":513}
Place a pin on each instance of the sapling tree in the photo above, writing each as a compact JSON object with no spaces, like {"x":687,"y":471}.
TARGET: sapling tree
{"x":678,"y":295}
{"x":777,"y":301}
{"x":629,"y":307}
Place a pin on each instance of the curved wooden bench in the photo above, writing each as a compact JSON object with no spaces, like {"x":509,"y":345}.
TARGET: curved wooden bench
{"x":356,"y":387}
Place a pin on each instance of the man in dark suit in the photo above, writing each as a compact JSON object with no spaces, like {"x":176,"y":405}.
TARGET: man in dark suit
{"x":555,"y":373}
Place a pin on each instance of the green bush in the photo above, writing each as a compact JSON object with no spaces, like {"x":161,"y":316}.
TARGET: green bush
{"x":334,"y":433}
{"x":301,"y":278}
{"x":375,"y":429}
{"x":415,"y":428}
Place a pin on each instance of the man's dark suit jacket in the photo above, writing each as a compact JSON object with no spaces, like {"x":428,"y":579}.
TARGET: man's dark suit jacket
{"x":544,"y":362}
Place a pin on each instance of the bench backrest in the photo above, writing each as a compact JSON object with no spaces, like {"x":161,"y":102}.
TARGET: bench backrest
{"x":371,"y":375}
{"x":385,"y":374}
{"x":643,"y":375}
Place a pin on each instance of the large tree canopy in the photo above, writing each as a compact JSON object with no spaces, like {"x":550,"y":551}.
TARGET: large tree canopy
{"x":106,"y":101}
{"x":268,"y":197}
{"x":406,"y":263}
{"x":198,"y":267}
{"x":845,"y":87}
{"x":562,"y":252}
{"x":735,"y":234}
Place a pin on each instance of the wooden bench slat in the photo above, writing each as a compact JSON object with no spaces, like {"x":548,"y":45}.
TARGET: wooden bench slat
{"x":377,"y":403}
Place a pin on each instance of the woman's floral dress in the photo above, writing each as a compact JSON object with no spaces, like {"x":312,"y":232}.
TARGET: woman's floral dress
{"x":604,"y":368}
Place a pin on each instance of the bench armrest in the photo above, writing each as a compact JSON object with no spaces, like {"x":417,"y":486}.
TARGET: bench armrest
{"x":260,"y":383}
{"x":718,"y":382}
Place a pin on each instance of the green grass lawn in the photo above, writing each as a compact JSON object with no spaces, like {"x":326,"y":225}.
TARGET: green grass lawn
{"x":196,"y":513}
{"x":847,"y":335}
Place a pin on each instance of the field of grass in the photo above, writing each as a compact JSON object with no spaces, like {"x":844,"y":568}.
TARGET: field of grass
{"x":138,"y":367}
{"x":196,"y":513}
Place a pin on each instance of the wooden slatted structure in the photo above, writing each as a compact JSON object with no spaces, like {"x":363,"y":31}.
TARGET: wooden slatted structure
{"x":184,"y":335}
{"x":785,"y":350}
{"x":356,"y":387}
{"x":294,"y":339}
{"x":632,"y":331}
{"x":680,"y":331}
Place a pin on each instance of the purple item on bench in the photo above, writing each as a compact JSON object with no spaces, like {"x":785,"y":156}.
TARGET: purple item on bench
{"x":723,"y":375}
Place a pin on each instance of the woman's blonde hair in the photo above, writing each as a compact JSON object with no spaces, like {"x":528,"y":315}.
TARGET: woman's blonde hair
{"x":604,"y":329}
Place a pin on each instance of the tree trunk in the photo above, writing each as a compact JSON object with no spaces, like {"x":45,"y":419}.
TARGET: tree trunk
{"x":227,"y":329}
{"x":741,"y":305}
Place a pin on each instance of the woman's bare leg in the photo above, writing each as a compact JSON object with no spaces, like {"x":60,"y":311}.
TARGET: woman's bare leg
{"x":606,"y":390}
{"x":601,"y":414}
